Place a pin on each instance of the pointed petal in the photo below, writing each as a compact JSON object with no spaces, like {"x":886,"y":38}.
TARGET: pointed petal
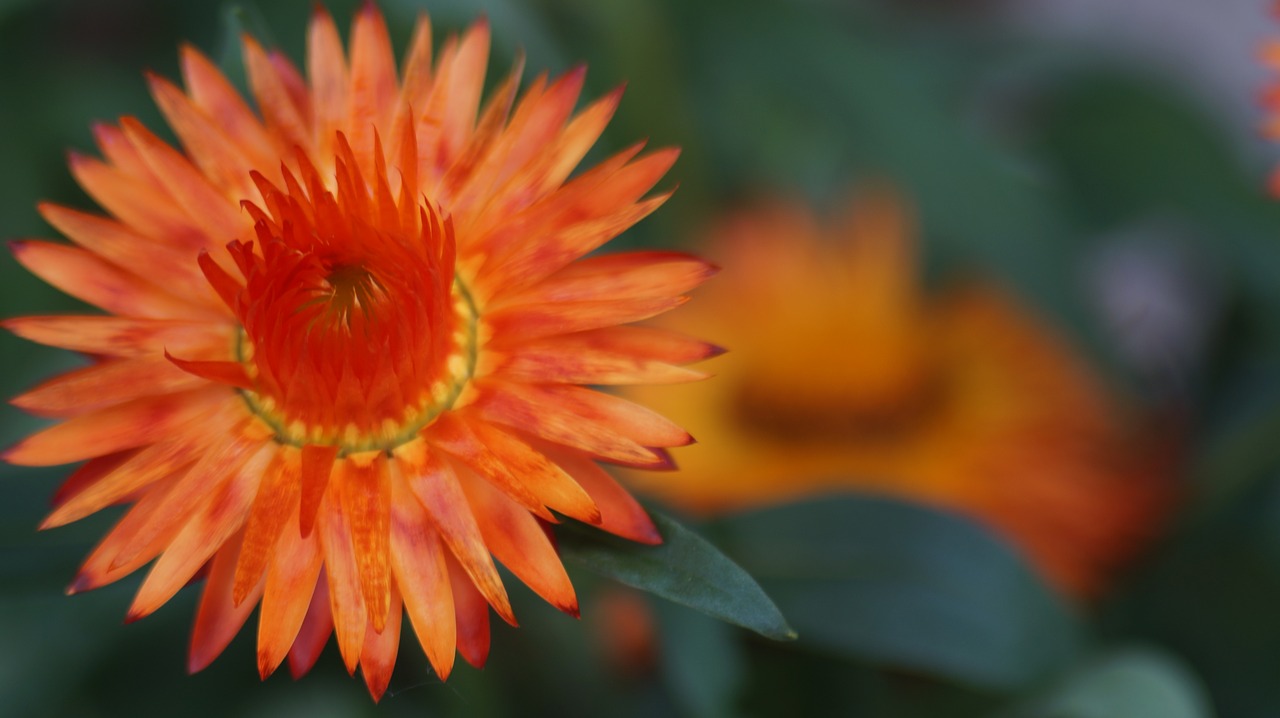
{"x":122,"y":245}
{"x":456,"y":438}
{"x":271,"y":92}
{"x":209,"y":147}
{"x":213,"y":213}
{"x":519,"y":542}
{"x":221,"y":102}
{"x":118,"y":336}
{"x":107,"y":383}
{"x":455,"y":96}
{"x":345,"y":598}
{"x":89,"y":473}
{"x":211,"y":526}
{"x":620,"y":513}
{"x":373,"y":79}
{"x":143,"y":205}
{"x":619,"y":277}
{"x":315,"y":631}
{"x":423,"y":577}
{"x":100,"y":283}
{"x":508,"y":462}
{"x":520,"y":323}
{"x":125,"y":426}
{"x":291,"y":584}
{"x":275,"y":504}
{"x":538,"y":410}
{"x":597,"y":357}
{"x":365,"y":495}
{"x":472,"y":616}
{"x":219,"y":619}
{"x":227,"y":373}
{"x":151,"y":464}
{"x":327,"y":72}
{"x":378,"y":658}
{"x":435,"y":485}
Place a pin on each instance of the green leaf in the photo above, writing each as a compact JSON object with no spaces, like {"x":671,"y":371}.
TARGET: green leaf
{"x":702,"y":662}
{"x":1132,"y":682}
{"x":685,"y":569}
{"x":906,"y":586}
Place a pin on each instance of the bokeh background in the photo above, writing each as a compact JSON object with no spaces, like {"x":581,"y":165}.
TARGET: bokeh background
{"x":1102,"y":160}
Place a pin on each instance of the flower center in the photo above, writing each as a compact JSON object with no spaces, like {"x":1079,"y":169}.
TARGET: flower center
{"x":355,"y":330}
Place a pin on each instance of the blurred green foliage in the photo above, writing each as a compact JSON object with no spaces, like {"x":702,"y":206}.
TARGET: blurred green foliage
{"x":1023,"y":161}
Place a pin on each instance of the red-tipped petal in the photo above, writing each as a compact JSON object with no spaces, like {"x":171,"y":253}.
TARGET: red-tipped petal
{"x":423,"y":576}
{"x":219,"y":618}
{"x":315,"y":631}
{"x":472,"y":615}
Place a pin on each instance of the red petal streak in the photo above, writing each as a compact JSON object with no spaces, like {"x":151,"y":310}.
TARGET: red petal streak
{"x":345,"y":598}
{"x":273,"y":507}
{"x":613,"y":355}
{"x":125,"y":426}
{"x":423,"y":577}
{"x":327,"y":72}
{"x":225,"y":509}
{"x":222,"y":103}
{"x":378,"y":658}
{"x":518,"y":541}
{"x":102,"y":568}
{"x":366,"y":500}
{"x":455,"y":437}
{"x":218,"y":618}
{"x":472,"y":616}
{"x":119,"y":336}
{"x":105,"y":384}
{"x":520,"y":323}
{"x":619,"y":277}
{"x":144,"y":468}
{"x":209,"y":210}
{"x":217,"y":156}
{"x":89,"y":473}
{"x":270,"y":88}
{"x":541,"y":411}
{"x":373,"y":80}
{"x":620,"y":513}
{"x":91,"y":279}
{"x":291,"y":582}
{"x":315,"y":631}
{"x":507,"y":461}
{"x":143,"y":205}
{"x":121,"y":245}
{"x":433,"y":481}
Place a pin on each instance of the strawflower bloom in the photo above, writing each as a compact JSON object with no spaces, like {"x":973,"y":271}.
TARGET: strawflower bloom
{"x":845,"y":375}
{"x":347,"y":336}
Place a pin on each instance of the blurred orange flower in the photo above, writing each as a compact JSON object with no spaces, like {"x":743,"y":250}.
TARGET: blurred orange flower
{"x":844,"y":374}
{"x":345,"y":346}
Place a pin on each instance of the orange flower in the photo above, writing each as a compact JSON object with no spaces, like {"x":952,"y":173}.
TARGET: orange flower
{"x":345,"y":344}
{"x":844,"y":375}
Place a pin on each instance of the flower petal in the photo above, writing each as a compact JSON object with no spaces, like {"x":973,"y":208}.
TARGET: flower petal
{"x":365,"y":495}
{"x":620,"y":513}
{"x":345,"y":597}
{"x":226,"y":505}
{"x":378,"y":658}
{"x":472,"y":616}
{"x":607,"y":356}
{"x":275,"y":504}
{"x":107,"y":383}
{"x":219,"y":618}
{"x":118,"y":336}
{"x":146,"y":467}
{"x":508,"y":462}
{"x":315,"y":631}
{"x":423,"y":576}
{"x":539,"y":410}
{"x":289,"y":599}
{"x":433,"y":482}
{"x":124,"y":426}
{"x":520,"y":543}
